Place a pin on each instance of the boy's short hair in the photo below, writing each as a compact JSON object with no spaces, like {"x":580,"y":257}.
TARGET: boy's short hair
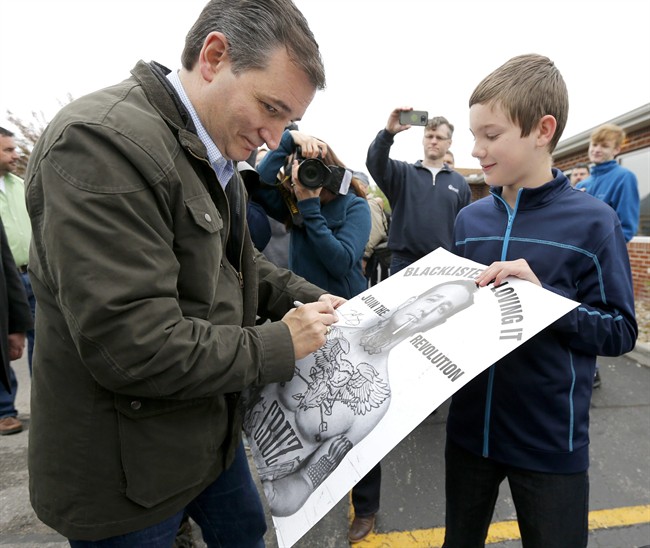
{"x":436,"y":121}
{"x":608,"y":132}
{"x":527,"y":87}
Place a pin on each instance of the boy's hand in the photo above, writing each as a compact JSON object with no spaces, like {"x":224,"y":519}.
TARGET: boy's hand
{"x":498,"y":271}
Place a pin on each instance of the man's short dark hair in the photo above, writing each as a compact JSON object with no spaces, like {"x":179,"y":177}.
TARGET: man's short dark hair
{"x":5,"y":132}
{"x":255,"y":29}
{"x":582,"y":165}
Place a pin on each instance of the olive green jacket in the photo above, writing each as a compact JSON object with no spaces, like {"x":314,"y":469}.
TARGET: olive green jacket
{"x":147,"y":286}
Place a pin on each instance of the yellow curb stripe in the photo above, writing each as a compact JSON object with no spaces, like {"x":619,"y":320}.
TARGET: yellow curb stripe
{"x":619,"y":517}
{"x":504,"y":530}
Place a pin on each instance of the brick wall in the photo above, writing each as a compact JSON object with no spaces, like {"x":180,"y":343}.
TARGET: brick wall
{"x":639,"y":251}
{"x":479,"y":190}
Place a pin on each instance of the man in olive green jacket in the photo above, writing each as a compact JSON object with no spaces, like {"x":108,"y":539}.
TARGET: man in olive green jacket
{"x":148,"y":285}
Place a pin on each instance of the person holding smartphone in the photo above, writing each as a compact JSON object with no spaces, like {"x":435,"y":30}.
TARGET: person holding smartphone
{"x":425,"y":198}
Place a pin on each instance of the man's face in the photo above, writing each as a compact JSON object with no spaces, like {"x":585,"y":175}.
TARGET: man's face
{"x":8,"y":155}
{"x":244,"y":111}
{"x":448,"y":159}
{"x":578,"y":174}
{"x":427,"y":311}
{"x":436,"y":142}
{"x":603,"y":151}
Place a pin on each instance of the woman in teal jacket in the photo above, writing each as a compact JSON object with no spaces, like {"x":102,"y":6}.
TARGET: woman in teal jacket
{"x":330,"y":224}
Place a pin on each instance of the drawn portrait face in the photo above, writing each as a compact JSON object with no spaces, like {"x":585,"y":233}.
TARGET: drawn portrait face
{"x":431,"y":307}
{"x":421,"y":313}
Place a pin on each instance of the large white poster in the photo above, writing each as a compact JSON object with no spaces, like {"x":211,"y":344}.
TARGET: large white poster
{"x":398,"y":351}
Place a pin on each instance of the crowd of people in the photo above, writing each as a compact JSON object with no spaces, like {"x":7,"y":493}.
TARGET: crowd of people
{"x":170,"y":228}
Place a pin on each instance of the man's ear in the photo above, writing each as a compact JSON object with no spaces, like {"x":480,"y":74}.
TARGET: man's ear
{"x":214,"y":55}
{"x":546,"y":129}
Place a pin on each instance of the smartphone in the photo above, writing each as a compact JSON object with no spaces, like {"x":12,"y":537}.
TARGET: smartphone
{"x":414,"y":117}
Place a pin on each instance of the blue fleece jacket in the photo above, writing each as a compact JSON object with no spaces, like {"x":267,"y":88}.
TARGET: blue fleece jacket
{"x":328,"y":248}
{"x":531,"y":408}
{"x":423,"y":210}
{"x":619,"y":188}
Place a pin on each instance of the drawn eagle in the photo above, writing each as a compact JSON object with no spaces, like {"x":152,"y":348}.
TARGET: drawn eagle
{"x":333,"y":378}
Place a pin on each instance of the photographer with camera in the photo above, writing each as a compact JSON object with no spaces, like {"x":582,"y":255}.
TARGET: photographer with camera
{"x":325,"y":207}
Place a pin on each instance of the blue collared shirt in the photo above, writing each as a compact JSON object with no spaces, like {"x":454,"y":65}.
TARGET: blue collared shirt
{"x":222,"y":167}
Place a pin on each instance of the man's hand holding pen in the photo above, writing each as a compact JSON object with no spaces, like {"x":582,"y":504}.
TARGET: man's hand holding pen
{"x":309,"y":324}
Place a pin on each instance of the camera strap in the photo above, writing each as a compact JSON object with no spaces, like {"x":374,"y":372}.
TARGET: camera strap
{"x":296,"y":216}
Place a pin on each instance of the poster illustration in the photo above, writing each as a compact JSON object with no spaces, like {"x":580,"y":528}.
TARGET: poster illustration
{"x":399,"y":350}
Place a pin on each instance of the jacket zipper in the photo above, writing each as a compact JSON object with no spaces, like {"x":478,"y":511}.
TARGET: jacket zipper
{"x":488,"y":396}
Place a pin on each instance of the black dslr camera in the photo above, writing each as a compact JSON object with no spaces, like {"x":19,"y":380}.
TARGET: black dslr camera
{"x":312,"y":172}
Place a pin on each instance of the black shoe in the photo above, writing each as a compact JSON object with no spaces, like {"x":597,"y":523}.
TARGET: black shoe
{"x":597,"y":381}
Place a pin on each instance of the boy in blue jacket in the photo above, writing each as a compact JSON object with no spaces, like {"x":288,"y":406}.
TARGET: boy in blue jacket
{"x":610,"y":182}
{"x":526,"y":418}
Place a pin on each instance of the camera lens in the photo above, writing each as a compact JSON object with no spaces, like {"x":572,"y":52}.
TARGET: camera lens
{"x":313,"y":173}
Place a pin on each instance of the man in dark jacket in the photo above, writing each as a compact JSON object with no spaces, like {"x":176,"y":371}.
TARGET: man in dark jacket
{"x":425,"y":198}
{"x":15,"y":321}
{"x":148,"y":286}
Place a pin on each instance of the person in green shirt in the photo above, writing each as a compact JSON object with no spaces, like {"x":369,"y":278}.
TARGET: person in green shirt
{"x":13,"y":213}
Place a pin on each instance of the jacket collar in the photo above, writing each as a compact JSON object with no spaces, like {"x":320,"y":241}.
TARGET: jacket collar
{"x":530,"y":198}
{"x":600,"y":169}
{"x":162,"y":96}
{"x":444,"y":167}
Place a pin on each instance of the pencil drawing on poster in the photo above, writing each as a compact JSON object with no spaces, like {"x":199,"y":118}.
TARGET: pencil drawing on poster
{"x":301,"y":430}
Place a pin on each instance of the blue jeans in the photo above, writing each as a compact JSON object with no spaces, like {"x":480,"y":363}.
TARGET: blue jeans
{"x":398,"y":263}
{"x":7,"y":407}
{"x":552,"y":509}
{"x":7,"y":400}
{"x":229,"y":513}
{"x":27,"y":284}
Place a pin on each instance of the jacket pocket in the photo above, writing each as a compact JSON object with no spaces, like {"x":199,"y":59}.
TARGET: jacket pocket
{"x":199,"y":247}
{"x":169,"y":446}
{"x":205,"y":213}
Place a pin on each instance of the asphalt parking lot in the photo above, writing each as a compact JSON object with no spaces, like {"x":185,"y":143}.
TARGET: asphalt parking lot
{"x":412,"y":512}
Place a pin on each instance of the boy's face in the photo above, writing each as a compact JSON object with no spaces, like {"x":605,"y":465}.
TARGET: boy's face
{"x":603,"y":151}
{"x":505,"y":156}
